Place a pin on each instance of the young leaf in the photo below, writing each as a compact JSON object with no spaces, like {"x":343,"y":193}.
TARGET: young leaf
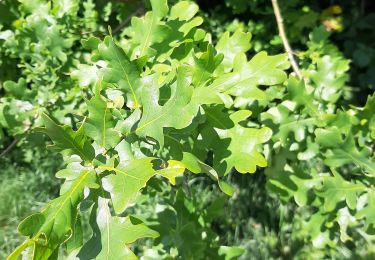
{"x":65,"y":139}
{"x":120,"y":71}
{"x":149,"y":30}
{"x":99,"y":124}
{"x":231,"y":45}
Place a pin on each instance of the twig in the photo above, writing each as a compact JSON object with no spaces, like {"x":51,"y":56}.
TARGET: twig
{"x":10,"y":147}
{"x":288,"y":49}
{"x":127,"y":20}
{"x":14,"y":142}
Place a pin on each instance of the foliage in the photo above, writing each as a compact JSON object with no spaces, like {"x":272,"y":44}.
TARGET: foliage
{"x":39,"y":43}
{"x":143,"y":114}
{"x":325,"y":160}
{"x":121,"y":145}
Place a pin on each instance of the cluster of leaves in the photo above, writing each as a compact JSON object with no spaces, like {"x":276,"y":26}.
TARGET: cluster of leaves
{"x":301,"y":116}
{"x":159,"y":106}
{"x":166,"y":98}
{"x":350,"y":23}
{"x":39,"y":46}
{"x":321,"y":156}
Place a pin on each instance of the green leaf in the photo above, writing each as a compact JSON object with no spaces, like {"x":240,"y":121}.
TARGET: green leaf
{"x":317,"y":231}
{"x":329,"y":137}
{"x":76,"y":240}
{"x":329,"y":85}
{"x":246,"y":76}
{"x":67,"y":140}
{"x":159,"y":8}
{"x":284,"y":123}
{"x":231,"y":252}
{"x":176,"y":112}
{"x":335,"y":189}
{"x":197,"y":166}
{"x":85,"y":74}
{"x":54,"y":225}
{"x":177,"y":33}
{"x":368,"y":211}
{"x":116,"y":233}
{"x":231,"y":45}
{"x":367,"y":115}
{"x":120,"y":71}
{"x":129,"y":178}
{"x":63,"y":7}
{"x":184,"y":10}
{"x":299,"y":94}
{"x":149,"y":30}
{"x":173,"y":170}
{"x":19,"y":89}
{"x":343,"y":152}
{"x":128,"y":125}
{"x":100,"y":123}
{"x":243,"y":142}
{"x":205,"y":65}
{"x":290,"y":181}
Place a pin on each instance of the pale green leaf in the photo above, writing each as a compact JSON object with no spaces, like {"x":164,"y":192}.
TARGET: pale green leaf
{"x":231,"y":45}
{"x":184,"y":10}
{"x":174,"y":169}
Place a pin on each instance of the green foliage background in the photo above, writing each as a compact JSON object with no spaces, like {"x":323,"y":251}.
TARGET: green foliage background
{"x":312,"y":193}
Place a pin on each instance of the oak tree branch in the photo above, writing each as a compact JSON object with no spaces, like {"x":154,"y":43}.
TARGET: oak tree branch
{"x":288,"y":49}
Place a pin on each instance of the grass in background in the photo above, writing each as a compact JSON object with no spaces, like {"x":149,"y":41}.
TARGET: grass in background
{"x":26,"y":182}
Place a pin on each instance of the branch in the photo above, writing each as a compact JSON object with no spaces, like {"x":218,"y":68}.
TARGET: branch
{"x":14,"y":142}
{"x":127,"y":20}
{"x":288,"y":49}
{"x":10,"y":147}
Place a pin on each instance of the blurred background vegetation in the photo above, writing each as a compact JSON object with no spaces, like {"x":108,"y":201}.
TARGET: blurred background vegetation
{"x":254,"y":218}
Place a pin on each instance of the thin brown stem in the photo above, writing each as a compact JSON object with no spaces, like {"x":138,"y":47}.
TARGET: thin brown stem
{"x":14,"y":143}
{"x":10,"y":147}
{"x":288,"y":49}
